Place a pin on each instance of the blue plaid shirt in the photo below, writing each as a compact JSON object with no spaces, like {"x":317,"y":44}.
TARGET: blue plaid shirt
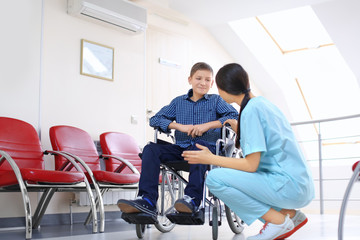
{"x":185,"y":111}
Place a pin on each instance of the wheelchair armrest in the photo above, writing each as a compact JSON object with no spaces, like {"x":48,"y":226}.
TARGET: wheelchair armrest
{"x":162,"y":131}
{"x":158,"y":131}
{"x":227,"y":142}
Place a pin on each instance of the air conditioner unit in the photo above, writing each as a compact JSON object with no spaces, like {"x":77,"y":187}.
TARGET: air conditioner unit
{"x":119,"y":13}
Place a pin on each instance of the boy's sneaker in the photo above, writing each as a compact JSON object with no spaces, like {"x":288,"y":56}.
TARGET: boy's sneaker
{"x":274,"y":231}
{"x":299,"y":220}
{"x":185,"y":205}
{"x":140,"y":204}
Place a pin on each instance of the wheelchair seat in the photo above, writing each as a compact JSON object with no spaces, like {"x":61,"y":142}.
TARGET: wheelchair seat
{"x":178,"y":166}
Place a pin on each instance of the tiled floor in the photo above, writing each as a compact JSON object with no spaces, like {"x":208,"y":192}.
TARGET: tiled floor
{"x":318,"y":228}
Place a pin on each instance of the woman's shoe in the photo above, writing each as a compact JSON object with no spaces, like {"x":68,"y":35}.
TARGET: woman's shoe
{"x":274,"y":231}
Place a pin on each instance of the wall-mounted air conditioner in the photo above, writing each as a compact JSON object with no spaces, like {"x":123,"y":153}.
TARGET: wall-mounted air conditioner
{"x":118,"y":13}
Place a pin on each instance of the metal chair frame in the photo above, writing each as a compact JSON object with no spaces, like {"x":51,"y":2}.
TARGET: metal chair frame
{"x":354,"y":178}
{"x":33,"y":222}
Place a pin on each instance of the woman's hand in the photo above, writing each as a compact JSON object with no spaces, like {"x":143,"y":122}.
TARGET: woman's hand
{"x":202,"y":156}
{"x":233,"y":123}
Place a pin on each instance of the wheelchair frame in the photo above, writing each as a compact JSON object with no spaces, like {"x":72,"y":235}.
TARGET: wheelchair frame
{"x":172,"y":185}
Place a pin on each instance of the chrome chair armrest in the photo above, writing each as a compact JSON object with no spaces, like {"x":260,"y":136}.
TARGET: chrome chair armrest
{"x":126,"y":162}
{"x":75,"y":160}
{"x":69,"y":158}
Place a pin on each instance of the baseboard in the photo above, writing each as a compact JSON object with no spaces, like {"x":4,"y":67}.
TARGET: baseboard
{"x":55,"y":219}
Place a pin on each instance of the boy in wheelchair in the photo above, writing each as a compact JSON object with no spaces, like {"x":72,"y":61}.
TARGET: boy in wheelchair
{"x":196,"y":117}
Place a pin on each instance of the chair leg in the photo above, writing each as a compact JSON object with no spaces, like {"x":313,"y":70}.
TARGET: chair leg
{"x":42,"y":205}
{"x":91,"y":196}
{"x":75,"y":160}
{"x":100,"y":203}
{"x":24,"y":193}
{"x":353,"y":179}
{"x":27,"y":207}
{"x":97,"y":202}
{"x":93,"y":206}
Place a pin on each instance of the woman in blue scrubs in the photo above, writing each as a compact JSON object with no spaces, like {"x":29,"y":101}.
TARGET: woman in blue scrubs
{"x":273,"y":179}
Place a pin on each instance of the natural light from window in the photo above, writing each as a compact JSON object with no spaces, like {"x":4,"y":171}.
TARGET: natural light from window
{"x":299,"y":55}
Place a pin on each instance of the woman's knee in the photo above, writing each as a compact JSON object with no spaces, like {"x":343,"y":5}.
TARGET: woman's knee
{"x":213,"y":179}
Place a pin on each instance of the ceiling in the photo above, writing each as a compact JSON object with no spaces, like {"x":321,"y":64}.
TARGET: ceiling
{"x":210,"y":13}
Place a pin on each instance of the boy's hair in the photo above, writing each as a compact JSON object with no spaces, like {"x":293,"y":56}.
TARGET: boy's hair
{"x":200,"y":66}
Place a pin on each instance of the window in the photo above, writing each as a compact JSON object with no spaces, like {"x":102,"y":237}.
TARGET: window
{"x":316,"y":82}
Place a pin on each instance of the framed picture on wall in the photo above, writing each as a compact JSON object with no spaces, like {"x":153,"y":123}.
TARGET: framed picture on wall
{"x":97,"y":60}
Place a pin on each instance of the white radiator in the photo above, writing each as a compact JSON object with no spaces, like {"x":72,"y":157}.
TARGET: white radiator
{"x":109,"y":198}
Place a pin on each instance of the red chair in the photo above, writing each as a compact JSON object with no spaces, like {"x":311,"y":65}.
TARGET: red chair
{"x":22,"y":169}
{"x":78,"y":144}
{"x":118,"y":147}
{"x":355,"y":177}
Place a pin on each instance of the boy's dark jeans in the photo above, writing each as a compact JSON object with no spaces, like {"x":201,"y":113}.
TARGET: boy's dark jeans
{"x":154,"y":154}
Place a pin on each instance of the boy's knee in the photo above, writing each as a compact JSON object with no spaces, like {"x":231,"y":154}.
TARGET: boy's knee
{"x":146,"y":148}
{"x":148,"y":153}
{"x":149,"y":149}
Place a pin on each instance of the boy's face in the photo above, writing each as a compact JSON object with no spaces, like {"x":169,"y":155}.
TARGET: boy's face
{"x":201,"y":82}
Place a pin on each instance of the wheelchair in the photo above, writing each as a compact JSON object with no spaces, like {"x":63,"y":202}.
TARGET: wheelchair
{"x":171,"y":188}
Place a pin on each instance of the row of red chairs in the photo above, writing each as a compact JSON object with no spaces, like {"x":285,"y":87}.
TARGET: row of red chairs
{"x":77,"y":166}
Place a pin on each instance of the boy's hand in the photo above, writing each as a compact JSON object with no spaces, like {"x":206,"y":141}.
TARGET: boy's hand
{"x":184,"y":128}
{"x":198,"y":130}
{"x":201,"y":156}
{"x":195,"y":130}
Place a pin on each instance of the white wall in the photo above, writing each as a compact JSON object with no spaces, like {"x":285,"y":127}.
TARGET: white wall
{"x":19,"y":74}
{"x":92,"y":104}
{"x":69,"y":98}
{"x":20,"y":59}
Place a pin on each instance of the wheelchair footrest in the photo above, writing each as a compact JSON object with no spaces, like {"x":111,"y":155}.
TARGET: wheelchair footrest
{"x":197,"y":218}
{"x":139,"y":218}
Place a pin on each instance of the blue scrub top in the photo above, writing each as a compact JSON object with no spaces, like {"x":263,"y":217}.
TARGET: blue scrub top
{"x":265,"y":129}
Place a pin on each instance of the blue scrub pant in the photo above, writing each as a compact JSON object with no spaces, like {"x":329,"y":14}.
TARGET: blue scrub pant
{"x":251,"y":195}
{"x":154,"y":154}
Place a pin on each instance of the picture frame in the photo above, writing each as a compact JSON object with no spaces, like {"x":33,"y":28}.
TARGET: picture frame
{"x":97,"y":60}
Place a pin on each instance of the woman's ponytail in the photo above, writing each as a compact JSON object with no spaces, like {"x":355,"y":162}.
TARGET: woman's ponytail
{"x":244,"y":102}
{"x":233,"y":79}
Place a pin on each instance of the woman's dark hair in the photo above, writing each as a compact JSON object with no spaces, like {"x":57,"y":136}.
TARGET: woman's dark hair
{"x":200,"y":66}
{"x":233,"y":79}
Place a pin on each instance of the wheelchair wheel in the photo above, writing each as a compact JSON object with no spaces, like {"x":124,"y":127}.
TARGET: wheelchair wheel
{"x":216,"y":218}
{"x":140,"y":230}
{"x":235,"y":223}
{"x":168,"y":194}
{"x":215,"y":225}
